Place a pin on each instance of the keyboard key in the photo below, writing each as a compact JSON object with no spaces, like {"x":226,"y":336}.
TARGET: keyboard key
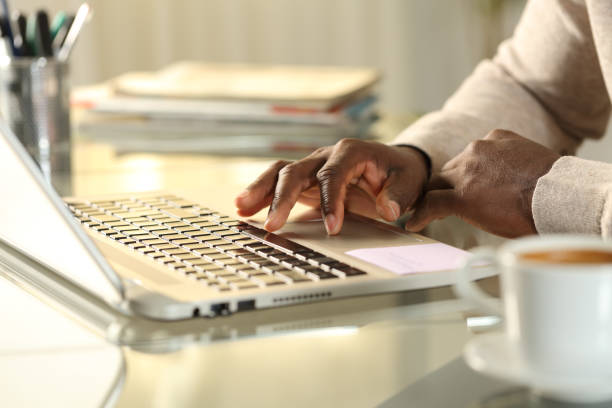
{"x":134,"y":233}
{"x":204,"y":224}
{"x":226,"y":261}
{"x":322,"y":261}
{"x":345,"y":270}
{"x":291,"y":276}
{"x":156,"y":255}
{"x":272,"y":268}
{"x":164,"y":246}
{"x":278,"y":258}
{"x":186,"y":229}
{"x":319,"y":274}
{"x":105,"y":218}
{"x":227,"y":247}
{"x":156,"y":241}
{"x":238,"y":251}
{"x":217,"y":242}
{"x":230,"y":279}
{"x":203,"y":265}
{"x":267,"y":280}
{"x":175,"y":251}
{"x":179,"y":213}
{"x":185,"y":241}
{"x":205,"y":250}
{"x":136,"y":245}
{"x":195,"y":246}
{"x":174,"y":236}
{"x":238,"y":267}
{"x":186,"y":257}
{"x":146,"y":237}
{"x":247,"y":273}
{"x":182,"y":203}
{"x":146,"y":250}
{"x":199,"y":235}
{"x":243,"y":285}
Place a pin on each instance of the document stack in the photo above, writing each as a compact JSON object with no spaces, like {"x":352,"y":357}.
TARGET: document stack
{"x":236,"y":109}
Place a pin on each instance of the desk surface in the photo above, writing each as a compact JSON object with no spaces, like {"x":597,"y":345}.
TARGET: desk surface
{"x":389,"y":350}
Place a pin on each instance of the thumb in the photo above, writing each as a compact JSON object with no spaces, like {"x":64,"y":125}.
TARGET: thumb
{"x":434,"y":205}
{"x":399,"y":193}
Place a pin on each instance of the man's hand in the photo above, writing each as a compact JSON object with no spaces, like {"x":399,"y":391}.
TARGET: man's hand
{"x":490,"y":185}
{"x":365,"y":177}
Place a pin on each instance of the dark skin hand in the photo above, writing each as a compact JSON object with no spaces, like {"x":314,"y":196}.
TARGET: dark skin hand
{"x":490,"y":185}
{"x":364,"y":177}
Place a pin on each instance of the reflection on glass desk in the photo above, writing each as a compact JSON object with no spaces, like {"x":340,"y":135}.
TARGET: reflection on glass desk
{"x":358,"y":352}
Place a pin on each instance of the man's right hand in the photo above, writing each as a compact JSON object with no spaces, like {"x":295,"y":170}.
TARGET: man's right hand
{"x":369,"y":178}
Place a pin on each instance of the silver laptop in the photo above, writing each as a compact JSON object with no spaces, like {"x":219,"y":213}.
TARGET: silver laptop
{"x":161,"y":256}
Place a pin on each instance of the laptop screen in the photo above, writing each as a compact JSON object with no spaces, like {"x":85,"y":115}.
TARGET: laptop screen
{"x":34,"y":219}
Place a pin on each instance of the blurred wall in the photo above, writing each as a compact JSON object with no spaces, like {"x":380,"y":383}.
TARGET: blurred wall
{"x":424,"y":47}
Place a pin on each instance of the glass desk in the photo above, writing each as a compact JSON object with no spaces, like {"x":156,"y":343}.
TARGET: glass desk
{"x":401,"y":349}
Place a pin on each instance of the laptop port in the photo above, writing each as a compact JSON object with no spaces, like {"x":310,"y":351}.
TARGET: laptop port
{"x":220,"y":309}
{"x":246,"y":305}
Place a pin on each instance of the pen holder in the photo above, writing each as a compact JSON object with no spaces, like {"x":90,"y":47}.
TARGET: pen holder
{"x":35,"y":103}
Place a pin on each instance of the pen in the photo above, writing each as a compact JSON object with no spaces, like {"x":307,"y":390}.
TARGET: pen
{"x":73,"y":32}
{"x":5,"y":47}
{"x":60,"y":36}
{"x":19,"y":32}
{"x":58,"y":22}
{"x":31,"y":34}
{"x":9,"y":31}
{"x":43,"y":35}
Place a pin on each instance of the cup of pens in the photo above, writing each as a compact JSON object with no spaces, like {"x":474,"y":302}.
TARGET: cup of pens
{"x":35,"y":86}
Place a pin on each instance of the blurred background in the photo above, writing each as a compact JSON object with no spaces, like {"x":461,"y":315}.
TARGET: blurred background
{"x":424,"y":48}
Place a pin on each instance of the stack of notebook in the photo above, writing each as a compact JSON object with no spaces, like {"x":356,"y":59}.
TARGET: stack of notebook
{"x":230,"y":108}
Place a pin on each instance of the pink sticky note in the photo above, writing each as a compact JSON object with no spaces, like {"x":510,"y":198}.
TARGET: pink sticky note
{"x":407,"y":259}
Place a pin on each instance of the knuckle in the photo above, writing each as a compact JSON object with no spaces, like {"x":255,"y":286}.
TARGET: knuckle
{"x":497,"y":134}
{"x":326,"y":174}
{"x":288,"y":171}
{"x":279,"y":164}
{"x":347,"y":144}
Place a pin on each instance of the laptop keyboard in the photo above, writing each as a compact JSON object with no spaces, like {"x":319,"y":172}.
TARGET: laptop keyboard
{"x":215,"y":250}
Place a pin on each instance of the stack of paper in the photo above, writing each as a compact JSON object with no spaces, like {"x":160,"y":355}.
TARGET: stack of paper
{"x":230,"y":108}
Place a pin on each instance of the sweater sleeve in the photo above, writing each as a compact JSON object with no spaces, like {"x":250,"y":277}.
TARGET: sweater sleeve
{"x":545,"y":83}
{"x":574,"y":196}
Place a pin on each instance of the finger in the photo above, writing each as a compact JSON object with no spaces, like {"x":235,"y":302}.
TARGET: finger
{"x":293,"y":179}
{"x":360,"y":201}
{"x":259,"y":193}
{"x":439,"y":181}
{"x":333,"y":179}
{"x":397,"y":195}
{"x":434,"y":205}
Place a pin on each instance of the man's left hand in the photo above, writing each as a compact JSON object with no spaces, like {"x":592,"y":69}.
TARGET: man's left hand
{"x":490,"y":185}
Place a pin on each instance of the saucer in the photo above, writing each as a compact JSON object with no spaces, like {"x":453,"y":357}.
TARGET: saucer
{"x":495,"y":355}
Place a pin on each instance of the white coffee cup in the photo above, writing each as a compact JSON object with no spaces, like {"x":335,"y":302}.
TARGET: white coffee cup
{"x":558,"y":315}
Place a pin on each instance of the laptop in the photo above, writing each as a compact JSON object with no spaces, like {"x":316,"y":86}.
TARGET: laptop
{"x":161,"y":256}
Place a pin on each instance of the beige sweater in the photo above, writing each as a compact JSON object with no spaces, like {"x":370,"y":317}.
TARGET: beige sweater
{"x":551,"y":83}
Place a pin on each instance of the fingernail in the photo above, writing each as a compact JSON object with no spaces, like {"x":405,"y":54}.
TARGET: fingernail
{"x":394,"y":208}
{"x":269,"y":224}
{"x":331,"y":224}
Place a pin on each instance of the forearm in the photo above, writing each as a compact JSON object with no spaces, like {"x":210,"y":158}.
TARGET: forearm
{"x":545,"y":84}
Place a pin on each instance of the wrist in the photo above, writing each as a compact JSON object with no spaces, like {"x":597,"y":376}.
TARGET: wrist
{"x":422,"y":157}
